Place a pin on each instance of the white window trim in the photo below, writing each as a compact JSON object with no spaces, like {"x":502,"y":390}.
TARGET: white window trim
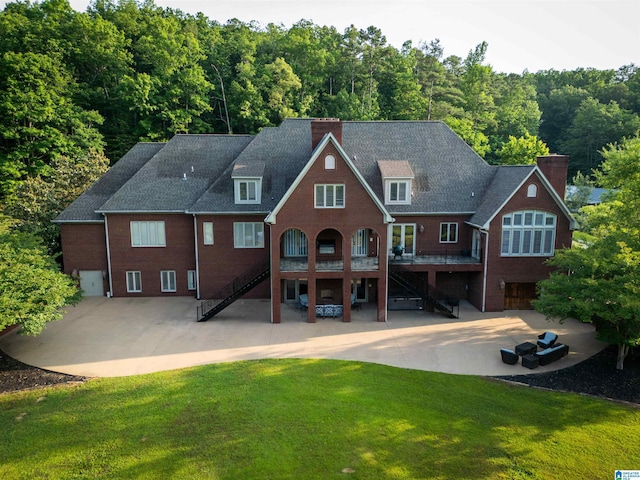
{"x":192,"y":283}
{"x":134,"y":277}
{"x":256,"y":182}
{"x":147,"y":234}
{"x":240,"y":235}
{"x":329,"y":162}
{"x":523,"y":230}
{"x":168,"y":281}
{"x":448,"y":227}
{"x":207,"y":233}
{"x":337,"y":202}
{"x":387,"y":191}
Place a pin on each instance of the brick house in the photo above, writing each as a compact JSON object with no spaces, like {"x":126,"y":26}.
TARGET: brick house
{"x":396,"y":214}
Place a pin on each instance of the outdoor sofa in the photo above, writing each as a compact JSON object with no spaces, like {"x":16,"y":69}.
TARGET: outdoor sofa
{"x":551,"y":354}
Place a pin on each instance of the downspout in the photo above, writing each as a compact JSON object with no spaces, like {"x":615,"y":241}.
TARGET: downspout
{"x":195,"y":236}
{"x":106,"y":233}
{"x":271,"y":270}
{"x":484,"y":273}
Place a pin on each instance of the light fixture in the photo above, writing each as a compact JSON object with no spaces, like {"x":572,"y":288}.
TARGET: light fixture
{"x":421,"y":228}
{"x":502,"y":284}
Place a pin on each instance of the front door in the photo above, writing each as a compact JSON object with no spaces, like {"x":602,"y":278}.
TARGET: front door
{"x":91,"y":283}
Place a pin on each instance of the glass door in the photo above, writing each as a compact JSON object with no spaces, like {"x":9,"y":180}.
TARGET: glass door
{"x":404,"y":234}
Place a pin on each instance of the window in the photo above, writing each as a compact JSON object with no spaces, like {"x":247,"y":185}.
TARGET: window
{"x":449,"y":232}
{"x":134,"y":282}
{"x":248,"y":235}
{"x":528,"y":233}
{"x":329,"y":196}
{"x":295,"y":243}
{"x":532,"y":190}
{"x":147,"y":234}
{"x":248,"y":190}
{"x":329,"y":162}
{"x":207,"y":233}
{"x":168,"y":280}
{"x":398,"y":192}
{"x":191,"y":280}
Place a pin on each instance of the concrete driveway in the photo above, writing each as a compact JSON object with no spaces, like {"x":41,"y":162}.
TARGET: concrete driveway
{"x":103,"y":337}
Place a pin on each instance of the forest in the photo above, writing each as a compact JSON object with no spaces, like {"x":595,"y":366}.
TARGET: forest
{"x":79,"y":89}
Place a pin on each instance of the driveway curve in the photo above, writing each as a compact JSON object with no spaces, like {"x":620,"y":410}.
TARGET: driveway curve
{"x":103,"y":337}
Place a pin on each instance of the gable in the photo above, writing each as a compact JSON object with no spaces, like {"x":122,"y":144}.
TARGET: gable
{"x":301,"y":193}
{"x":511,"y":182}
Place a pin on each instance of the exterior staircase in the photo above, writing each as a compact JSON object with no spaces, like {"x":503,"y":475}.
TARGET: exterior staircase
{"x":408,"y":280}
{"x":234,"y":290}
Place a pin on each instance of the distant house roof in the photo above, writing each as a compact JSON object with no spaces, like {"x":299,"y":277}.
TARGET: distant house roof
{"x":194,"y":173}
{"x":595,"y":197}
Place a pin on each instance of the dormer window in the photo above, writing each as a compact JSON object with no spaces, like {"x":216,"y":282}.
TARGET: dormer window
{"x":397,"y":177}
{"x":248,"y":190}
{"x":247,"y":182}
{"x":398,"y":191}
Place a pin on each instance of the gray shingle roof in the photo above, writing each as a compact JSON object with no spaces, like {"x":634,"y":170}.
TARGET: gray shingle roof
{"x":447,"y":171}
{"x":83,"y":209}
{"x":449,"y":177}
{"x":178,"y":174}
{"x":504,"y":183}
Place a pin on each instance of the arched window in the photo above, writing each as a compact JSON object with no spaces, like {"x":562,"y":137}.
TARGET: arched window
{"x":528,"y":233}
{"x":532,"y":190}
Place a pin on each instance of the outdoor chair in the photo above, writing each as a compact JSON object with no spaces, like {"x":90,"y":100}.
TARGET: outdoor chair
{"x":509,"y":356}
{"x":547,"y":339}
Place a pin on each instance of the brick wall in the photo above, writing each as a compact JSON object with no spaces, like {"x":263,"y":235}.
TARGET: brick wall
{"x":521,"y":269}
{"x":178,"y":255}
{"x":221,"y":262}
{"x":84,"y":248}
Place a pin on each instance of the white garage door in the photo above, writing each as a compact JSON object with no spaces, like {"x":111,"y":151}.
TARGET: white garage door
{"x":91,"y":283}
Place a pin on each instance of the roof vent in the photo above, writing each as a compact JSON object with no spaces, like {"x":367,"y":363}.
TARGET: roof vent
{"x":184,"y":176}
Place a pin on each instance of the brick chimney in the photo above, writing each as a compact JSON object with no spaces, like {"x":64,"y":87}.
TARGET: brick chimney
{"x":321,"y":126}
{"x":555,"y":168}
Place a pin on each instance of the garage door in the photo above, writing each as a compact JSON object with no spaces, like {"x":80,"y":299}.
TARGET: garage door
{"x":91,"y":283}
{"x":518,"y":296}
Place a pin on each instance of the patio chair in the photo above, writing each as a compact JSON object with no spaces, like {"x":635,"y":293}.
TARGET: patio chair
{"x":509,"y":356}
{"x":547,"y":339}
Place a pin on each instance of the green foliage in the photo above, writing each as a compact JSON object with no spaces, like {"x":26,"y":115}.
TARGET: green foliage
{"x":32,"y":290}
{"x":522,"y":150}
{"x":311,"y":419}
{"x":583,"y":187}
{"x":600,"y":284}
{"x":39,"y":199}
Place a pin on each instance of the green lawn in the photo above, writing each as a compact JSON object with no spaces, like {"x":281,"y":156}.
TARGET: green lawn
{"x":312,"y":419}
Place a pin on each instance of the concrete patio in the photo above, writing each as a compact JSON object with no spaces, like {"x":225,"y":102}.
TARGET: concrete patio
{"x":104,"y":337}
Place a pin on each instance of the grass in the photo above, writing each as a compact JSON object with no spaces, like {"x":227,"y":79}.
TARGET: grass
{"x":311,"y":419}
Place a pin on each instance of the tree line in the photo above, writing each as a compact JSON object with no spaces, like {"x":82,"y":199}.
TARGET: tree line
{"x":121,"y":72}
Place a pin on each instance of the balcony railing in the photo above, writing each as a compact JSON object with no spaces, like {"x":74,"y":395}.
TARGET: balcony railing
{"x":452,"y":256}
{"x":301,"y":264}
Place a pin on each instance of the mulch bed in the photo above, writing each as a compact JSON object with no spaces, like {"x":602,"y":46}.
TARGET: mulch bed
{"x":15,"y":376}
{"x":595,"y":376}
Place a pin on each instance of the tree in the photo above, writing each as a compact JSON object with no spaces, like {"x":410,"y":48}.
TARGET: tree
{"x":32,"y":289}
{"x":596,"y":125}
{"x":40,"y":120}
{"x":38,"y":200}
{"x":521,"y":150}
{"x":578,"y":197}
{"x":600,"y":284}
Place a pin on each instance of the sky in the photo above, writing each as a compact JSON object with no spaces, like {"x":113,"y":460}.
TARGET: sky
{"x":522,"y":35}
